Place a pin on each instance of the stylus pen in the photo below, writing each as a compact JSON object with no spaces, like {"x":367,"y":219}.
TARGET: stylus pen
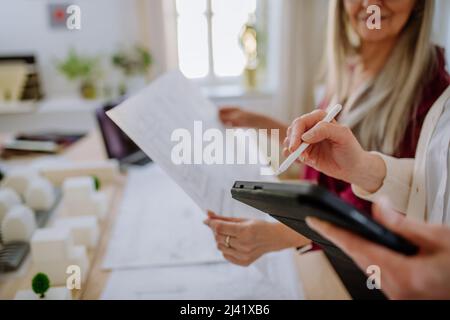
{"x":297,"y":153}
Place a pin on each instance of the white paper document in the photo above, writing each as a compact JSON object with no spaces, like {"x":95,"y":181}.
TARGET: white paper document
{"x":172,"y":102}
{"x":158,"y":225}
{"x":211,"y":282}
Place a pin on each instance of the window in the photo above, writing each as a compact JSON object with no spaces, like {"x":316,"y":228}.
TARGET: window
{"x":208,"y":38}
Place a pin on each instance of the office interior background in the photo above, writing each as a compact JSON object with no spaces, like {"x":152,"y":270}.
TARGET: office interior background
{"x":121,"y":47}
{"x":201,"y":38}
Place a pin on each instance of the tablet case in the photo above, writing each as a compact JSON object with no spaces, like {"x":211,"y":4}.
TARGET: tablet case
{"x":351,"y":276}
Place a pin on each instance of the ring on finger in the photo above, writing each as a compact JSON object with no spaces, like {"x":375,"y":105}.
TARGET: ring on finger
{"x":227,"y":241}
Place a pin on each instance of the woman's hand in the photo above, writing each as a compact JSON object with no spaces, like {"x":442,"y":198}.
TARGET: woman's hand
{"x":250,"y":239}
{"x":423,"y":276}
{"x":334,"y":151}
{"x":236,"y":117}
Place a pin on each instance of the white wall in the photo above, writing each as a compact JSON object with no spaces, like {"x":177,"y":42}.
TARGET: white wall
{"x":442,"y":26}
{"x":106,"y":26}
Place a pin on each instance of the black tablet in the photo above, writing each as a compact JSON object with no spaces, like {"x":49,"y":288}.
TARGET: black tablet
{"x":292,"y":203}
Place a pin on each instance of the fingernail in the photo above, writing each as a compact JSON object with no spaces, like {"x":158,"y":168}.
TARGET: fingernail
{"x":302,"y":158}
{"x":308,"y":135}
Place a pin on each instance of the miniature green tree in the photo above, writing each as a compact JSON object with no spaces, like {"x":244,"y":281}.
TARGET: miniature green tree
{"x":40,"y":284}
{"x":96,"y":182}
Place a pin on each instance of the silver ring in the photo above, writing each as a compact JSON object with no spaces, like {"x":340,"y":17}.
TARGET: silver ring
{"x":227,"y":242}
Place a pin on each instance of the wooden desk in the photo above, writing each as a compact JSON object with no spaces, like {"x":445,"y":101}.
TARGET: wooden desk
{"x":319,"y":281}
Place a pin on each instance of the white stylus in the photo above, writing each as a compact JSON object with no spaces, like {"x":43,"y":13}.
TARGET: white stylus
{"x":297,"y":153}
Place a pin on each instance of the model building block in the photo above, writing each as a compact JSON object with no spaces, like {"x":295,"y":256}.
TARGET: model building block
{"x":81,"y":198}
{"x":99,"y":204}
{"x":57,"y":269}
{"x":80,"y":258}
{"x":53,"y":252}
{"x":84,"y":229}
{"x":78,"y":189}
{"x":40,"y":194}
{"x":18,"y":225}
{"x":51,"y":244}
{"x":8,"y":199}
{"x":18,"y":180}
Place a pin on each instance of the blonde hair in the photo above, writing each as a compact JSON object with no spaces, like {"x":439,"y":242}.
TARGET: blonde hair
{"x":392,"y":97}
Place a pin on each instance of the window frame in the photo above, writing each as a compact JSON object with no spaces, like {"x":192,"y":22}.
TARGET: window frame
{"x":211,"y":80}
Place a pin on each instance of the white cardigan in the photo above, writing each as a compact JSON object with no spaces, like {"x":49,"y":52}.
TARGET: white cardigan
{"x":405,"y":181}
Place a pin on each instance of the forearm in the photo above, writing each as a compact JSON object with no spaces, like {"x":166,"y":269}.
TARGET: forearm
{"x":285,"y":237}
{"x":271,"y":124}
{"x":369,"y":173}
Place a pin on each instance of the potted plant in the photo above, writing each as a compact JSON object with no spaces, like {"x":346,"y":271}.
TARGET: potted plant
{"x":82,"y":68}
{"x":135,"y":64}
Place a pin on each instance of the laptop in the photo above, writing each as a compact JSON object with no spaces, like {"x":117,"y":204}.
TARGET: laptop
{"x":117,"y":144}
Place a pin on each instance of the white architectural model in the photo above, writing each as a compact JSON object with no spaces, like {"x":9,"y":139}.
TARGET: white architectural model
{"x":40,"y":194}
{"x":18,"y":180}
{"x":84,"y":229}
{"x":8,"y":199}
{"x":50,"y":244}
{"x":53,"y":251}
{"x":18,"y":225}
{"x":81,"y":198}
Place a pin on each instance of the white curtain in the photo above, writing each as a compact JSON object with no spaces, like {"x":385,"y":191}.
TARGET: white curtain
{"x":303,"y":39}
{"x":157,"y":26}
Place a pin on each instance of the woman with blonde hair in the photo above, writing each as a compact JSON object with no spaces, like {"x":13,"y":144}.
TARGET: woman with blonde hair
{"x":386,"y":79}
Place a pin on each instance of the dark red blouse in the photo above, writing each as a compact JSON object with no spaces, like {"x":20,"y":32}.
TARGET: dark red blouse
{"x":431,"y":92}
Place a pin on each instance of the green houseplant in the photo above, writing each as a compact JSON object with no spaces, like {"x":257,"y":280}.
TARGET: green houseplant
{"x":134,"y":63}
{"x":85,"y":69}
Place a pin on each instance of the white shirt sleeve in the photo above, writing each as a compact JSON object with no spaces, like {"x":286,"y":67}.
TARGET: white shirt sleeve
{"x":396,"y":185}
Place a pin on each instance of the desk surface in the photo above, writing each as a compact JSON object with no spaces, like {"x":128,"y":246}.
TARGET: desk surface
{"x":319,"y":281}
